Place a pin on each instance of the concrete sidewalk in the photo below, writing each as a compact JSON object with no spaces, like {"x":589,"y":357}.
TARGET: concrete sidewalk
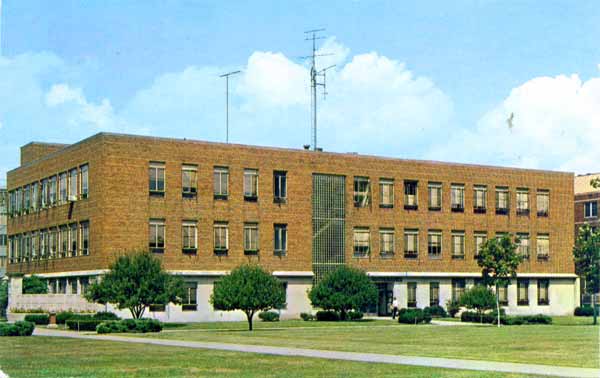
{"x":504,"y":367}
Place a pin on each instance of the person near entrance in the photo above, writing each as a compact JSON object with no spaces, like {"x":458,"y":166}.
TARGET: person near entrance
{"x":394,"y":308}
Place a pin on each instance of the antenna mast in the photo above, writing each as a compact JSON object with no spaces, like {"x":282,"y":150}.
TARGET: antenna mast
{"x":226,"y":76}
{"x":314,"y":83}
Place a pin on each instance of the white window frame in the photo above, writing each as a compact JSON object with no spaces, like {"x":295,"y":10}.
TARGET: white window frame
{"x":362,"y":198}
{"x":524,"y":247}
{"x":250,"y":183}
{"x":502,"y":192}
{"x":411,"y":200}
{"x":251,"y":237}
{"x":411,"y":235}
{"x":386,"y":192}
{"x":280,"y":186}
{"x":73,"y":184}
{"x":220,"y":187}
{"x":588,"y":208}
{"x":192,"y":189}
{"x":219,"y":227}
{"x":84,"y":234}
{"x":387,"y":247}
{"x":159,"y":170}
{"x":522,"y":200}
{"x":84,"y":184}
{"x":280,"y":234}
{"x":155,"y":227}
{"x":480,"y":238}
{"x":63,"y":187}
{"x":480,"y":197}
{"x":543,"y":246}
{"x":362,"y":239}
{"x":435,"y":187}
{"x":458,"y":235}
{"x":431,"y":234}
{"x":543,"y":200}
{"x":191,"y":228}
{"x":457,"y":196}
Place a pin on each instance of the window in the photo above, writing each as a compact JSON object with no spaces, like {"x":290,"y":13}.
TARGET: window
{"x":362,"y":242}
{"x":190,"y":299}
{"x":590,"y":209}
{"x":156,"y":237}
{"x":53,"y":243}
{"x":280,"y":239}
{"x":411,"y":294}
{"x":386,"y":193}
{"x":73,"y":184}
{"x":52,"y":190}
{"x":84,"y":229}
{"x":156,"y":175}
{"x":434,"y":244}
{"x":250,"y":185}
{"x":434,"y":294}
{"x":64,"y":241}
{"x":386,"y":242}
{"x":221,"y":178}
{"x":522,"y":201}
{"x":45,"y":193}
{"x":503,"y":293}
{"x":73,"y":239}
{"x":72,"y":285}
{"x":411,"y":243}
{"x":458,"y":244}
{"x":62,"y":188}
{"x":457,"y":197}
{"x":542,"y":288}
{"x":362,"y":191}
{"x":83,"y":181}
{"x":62,"y":286}
{"x":157,"y":308}
{"x":35,"y":197}
{"x":522,"y":292}
{"x":543,"y":246}
{"x":458,"y":288}
{"x":19,"y":202}
{"x":189,"y":181}
{"x":480,"y":239}
{"x":26,"y":199}
{"x":479,"y":199}
{"x":221,"y":238}
{"x":3,"y":240}
{"x":279,"y":186}
{"x":543,"y":202}
{"x":502,"y":200}
{"x":250,"y":238}
{"x":84,"y":283}
{"x":410,"y":195}
{"x":43,"y":240}
{"x":523,"y":248}
{"x":27,"y":246}
{"x":435,"y":196}
{"x":189,"y":237}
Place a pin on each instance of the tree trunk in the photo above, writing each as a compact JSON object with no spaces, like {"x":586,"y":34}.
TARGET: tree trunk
{"x":497,"y":304}
{"x":249,"y":316}
{"x":594,"y":309}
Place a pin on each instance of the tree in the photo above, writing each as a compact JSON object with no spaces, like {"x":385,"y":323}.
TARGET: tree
{"x":480,"y":298}
{"x":586,"y":253}
{"x":249,"y":288}
{"x":35,"y":285}
{"x":3,"y":297}
{"x":134,"y":282}
{"x":499,"y":261}
{"x":344,"y":289}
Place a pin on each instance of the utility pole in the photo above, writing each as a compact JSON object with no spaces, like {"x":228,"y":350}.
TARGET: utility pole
{"x":314,"y":83}
{"x":226,"y":76}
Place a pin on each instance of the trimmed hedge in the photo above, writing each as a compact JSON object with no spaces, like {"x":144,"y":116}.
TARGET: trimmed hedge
{"x":436,"y":311}
{"x":473,"y":317}
{"x":354,"y":315}
{"x":584,"y":311}
{"x":82,"y":324}
{"x":63,"y":316}
{"x":327,"y":316}
{"x":269,"y":316}
{"x":39,"y":319}
{"x":20,"y":328}
{"x":413,"y":316}
{"x":306,"y":316}
{"x":129,"y":326}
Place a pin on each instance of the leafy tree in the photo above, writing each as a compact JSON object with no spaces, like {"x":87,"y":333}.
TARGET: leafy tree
{"x":35,"y":285}
{"x":595,"y":183}
{"x":3,"y":297}
{"x":344,"y":289}
{"x":249,"y":288}
{"x":134,"y":282}
{"x":480,"y":298}
{"x":499,"y":261}
{"x":587,"y":262}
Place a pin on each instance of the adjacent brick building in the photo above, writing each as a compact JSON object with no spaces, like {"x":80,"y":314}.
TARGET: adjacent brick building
{"x":587,"y":204}
{"x":205,"y":208}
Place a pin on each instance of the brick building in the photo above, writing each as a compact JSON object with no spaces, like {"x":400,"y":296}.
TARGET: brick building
{"x":205,"y":208}
{"x":587,"y":202}
{"x":3,"y":235}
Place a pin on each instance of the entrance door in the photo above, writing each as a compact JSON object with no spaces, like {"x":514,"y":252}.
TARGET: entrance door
{"x":385,"y":298}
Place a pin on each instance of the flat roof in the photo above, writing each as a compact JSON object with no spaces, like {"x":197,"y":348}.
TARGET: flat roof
{"x":583,"y":183}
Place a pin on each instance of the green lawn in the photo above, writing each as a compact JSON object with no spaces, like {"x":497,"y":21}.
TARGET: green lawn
{"x":569,"y":342}
{"x":36,"y":357}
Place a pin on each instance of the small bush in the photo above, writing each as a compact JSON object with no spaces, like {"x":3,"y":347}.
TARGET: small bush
{"x":34,"y":285}
{"x":327,"y":316}
{"x":105,"y":315}
{"x":512,"y":320}
{"x":436,"y":311}
{"x":584,"y":311}
{"x":453,"y":308}
{"x":473,"y":317}
{"x":21,"y":328}
{"x":413,"y":316}
{"x":354,"y":315}
{"x":306,"y":316}
{"x":82,"y":324}
{"x":63,"y":316}
{"x":39,"y":319}
{"x":129,"y":326}
{"x":269,"y":316}
{"x":537,"y":319}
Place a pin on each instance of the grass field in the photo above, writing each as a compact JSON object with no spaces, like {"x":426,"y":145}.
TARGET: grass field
{"x":569,"y":342}
{"x":37,"y":357}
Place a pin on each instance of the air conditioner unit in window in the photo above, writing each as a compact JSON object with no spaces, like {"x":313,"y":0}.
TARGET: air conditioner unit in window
{"x":73,"y":198}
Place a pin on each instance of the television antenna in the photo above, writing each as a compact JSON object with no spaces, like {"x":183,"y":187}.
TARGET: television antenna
{"x":315,"y":74}
{"x":226,"y":76}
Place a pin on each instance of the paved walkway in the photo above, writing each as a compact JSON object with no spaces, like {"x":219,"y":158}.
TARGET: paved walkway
{"x":505,"y":367}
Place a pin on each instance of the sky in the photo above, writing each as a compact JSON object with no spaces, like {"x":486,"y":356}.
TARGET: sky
{"x":421,"y":80}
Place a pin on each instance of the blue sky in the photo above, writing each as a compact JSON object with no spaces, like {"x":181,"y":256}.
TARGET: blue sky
{"x":425,"y":80}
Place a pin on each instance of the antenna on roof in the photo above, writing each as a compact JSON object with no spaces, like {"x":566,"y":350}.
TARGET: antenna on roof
{"x":312,"y":35}
{"x":226,"y":76}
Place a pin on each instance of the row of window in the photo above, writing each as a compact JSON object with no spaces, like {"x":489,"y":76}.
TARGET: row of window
{"x":590,"y":209}
{"x":189,"y":231}
{"x":362,"y":197}
{"x":459,"y":285}
{"x":55,"y":190}
{"x":189,"y":182}
{"x":67,"y":240}
{"x":362,"y":243}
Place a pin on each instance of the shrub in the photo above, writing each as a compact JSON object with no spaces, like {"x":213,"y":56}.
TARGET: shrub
{"x":82,"y":324}
{"x":21,"y":328}
{"x":538,"y":319}
{"x":436,"y":311}
{"x":413,"y":316}
{"x":354,"y":315}
{"x":63,"y":316}
{"x":269,"y":316}
{"x":105,"y":315}
{"x":584,"y":311}
{"x":474,"y":317}
{"x":40,"y":319}
{"x":327,"y":316}
{"x":35,"y":285}
{"x":306,"y":316}
{"x":453,"y":307}
{"x":512,"y":320}
{"x":129,"y":326}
